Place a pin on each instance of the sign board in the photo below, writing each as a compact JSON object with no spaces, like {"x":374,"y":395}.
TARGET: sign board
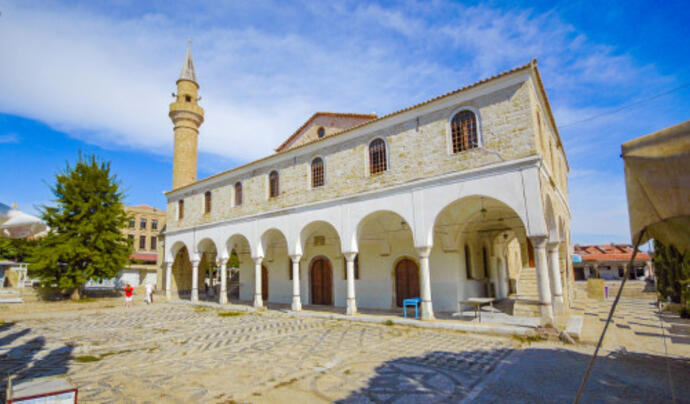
{"x":47,"y":390}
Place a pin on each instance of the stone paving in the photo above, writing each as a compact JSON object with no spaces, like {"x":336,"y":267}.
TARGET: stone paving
{"x":174,"y":353}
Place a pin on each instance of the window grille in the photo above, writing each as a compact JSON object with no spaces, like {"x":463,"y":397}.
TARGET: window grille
{"x":207,"y":202}
{"x":142,"y":224}
{"x":238,"y":194}
{"x":317,"y":173}
{"x":464,"y":131}
{"x":274,"y":186}
{"x":377,"y":157}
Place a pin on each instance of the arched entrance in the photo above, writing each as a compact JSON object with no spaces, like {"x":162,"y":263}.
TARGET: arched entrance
{"x":264,"y":283}
{"x":321,"y":281}
{"x":406,"y":281}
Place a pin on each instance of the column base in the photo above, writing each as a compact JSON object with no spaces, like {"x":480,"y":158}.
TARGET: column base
{"x":296,"y":303}
{"x":427,"y":311}
{"x":223,"y":297}
{"x":168,"y":295}
{"x":258,"y":302}
{"x":195,"y":295}
{"x":546,"y":315}
{"x":558,"y":305}
{"x":351,"y":307}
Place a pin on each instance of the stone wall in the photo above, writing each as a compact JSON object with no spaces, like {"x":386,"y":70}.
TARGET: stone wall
{"x":417,"y":148}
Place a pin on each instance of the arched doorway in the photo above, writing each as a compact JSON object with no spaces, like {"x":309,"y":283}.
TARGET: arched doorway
{"x":264,"y":283}
{"x":406,"y":281}
{"x":321,"y":280}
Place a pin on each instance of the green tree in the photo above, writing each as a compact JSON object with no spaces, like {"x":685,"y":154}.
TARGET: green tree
{"x":85,"y":241}
{"x":672,"y":271}
{"x":234,"y":260}
{"x":17,"y":249}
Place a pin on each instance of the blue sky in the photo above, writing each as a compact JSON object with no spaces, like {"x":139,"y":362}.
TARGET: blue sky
{"x":97,"y":76}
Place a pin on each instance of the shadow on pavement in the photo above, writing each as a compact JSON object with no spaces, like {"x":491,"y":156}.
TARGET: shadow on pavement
{"x":533,"y":375}
{"x":22,"y":362}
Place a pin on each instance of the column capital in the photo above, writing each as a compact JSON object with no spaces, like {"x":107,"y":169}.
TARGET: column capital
{"x":258,"y":260}
{"x":195,"y":263}
{"x":553,"y":245}
{"x":295,"y":257}
{"x":538,"y":241}
{"x":424,"y":251}
{"x":350,"y":256}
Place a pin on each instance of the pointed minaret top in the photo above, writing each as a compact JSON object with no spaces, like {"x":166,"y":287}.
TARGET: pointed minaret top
{"x":187,"y":72}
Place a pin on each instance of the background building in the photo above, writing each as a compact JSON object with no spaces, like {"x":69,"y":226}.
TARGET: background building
{"x":143,"y":230}
{"x":608,"y":261}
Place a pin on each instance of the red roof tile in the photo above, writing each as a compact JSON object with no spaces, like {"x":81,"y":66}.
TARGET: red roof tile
{"x":608,"y":252}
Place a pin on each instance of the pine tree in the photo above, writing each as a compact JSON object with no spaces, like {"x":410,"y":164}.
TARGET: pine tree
{"x":672,"y":271}
{"x":85,"y":241}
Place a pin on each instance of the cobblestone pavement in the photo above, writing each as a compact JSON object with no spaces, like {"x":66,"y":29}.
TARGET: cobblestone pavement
{"x":636,"y":327}
{"x":170,"y":353}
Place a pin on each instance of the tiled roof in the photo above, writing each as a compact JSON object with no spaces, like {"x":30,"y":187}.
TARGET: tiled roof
{"x":292,"y":137}
{"x":608,"y":252}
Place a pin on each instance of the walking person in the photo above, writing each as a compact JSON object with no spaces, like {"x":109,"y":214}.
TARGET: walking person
{"x":149,"y":293}
{"x":129,"y":295}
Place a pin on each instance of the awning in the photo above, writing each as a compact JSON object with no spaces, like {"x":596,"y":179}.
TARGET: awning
{"x":657,"y":179}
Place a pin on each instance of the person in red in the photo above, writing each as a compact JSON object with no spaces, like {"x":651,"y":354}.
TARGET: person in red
{"x":129,"y":295}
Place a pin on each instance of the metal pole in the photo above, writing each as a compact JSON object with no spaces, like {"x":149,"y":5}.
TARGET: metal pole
{"x":613,"y":308}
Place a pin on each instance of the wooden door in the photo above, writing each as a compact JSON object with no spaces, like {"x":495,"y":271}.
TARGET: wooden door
{"x":406,"y":281}
{"x":321,"y":280}
{"x":264,"y":283}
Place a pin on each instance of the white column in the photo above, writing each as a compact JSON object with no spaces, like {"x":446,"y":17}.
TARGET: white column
{"x":543,"y":281}
{"x":350,"y":273}
{"x":555,"y":276}
{"x":296,"y":300}
{"x":195,"y":281}
{"x":223,"y":299}
{"x":168,"y":280}
{"x":258,"y":301}
{"x":427,"y":309}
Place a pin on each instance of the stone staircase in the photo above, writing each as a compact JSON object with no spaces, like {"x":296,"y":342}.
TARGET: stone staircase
{"x":527,"y":296}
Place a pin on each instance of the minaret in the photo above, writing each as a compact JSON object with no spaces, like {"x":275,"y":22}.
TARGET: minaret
{"x":187,"y":116}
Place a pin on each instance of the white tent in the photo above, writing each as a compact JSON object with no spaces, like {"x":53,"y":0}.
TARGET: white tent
{"x":657,"y":179}
{"x":16,"y":224}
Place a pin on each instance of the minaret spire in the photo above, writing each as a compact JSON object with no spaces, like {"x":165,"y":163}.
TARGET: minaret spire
{"x":187,"y":72}
{"x":187,"y":115}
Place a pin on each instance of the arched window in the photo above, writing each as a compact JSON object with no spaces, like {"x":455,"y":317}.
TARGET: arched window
{"x":321,"y":132}
{"x":377,"y":157}
{"x":464,"y":131}
{"x":207,"y":202}
{"x":238,"y":193}
{"x":468,"y":262}
{"x":273,"y":184}
{"x":180,"y":209}
{"x":317,"y":173}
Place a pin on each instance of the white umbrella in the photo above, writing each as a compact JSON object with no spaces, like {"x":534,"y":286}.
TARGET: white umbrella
{"x":17,"y":224}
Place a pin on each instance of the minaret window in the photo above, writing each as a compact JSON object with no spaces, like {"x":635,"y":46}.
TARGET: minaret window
{"x":377,"y":157}
{"x":273,"y":184}
{"x":464,"y":131}
{"x":238,"y":193}
{"x":317,"y":173}
{"x":188,"y":98}
{"x":180,"y":209}
{"x":207,"y":202}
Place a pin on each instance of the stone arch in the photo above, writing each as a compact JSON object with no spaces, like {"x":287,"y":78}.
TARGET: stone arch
{"x":315,"y":228}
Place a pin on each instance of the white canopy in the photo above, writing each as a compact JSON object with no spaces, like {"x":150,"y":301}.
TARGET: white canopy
{"x":17,"y":224}
{"x":657,"y":178}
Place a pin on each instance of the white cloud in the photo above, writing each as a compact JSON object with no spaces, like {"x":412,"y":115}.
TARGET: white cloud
{"x":107,"y":79}
{"x":9,"y":138}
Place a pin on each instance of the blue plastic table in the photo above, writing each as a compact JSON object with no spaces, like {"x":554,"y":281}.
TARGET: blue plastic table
{"x":414,"y":301}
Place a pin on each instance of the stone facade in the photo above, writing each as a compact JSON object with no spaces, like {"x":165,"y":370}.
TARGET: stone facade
{"x":470,"y":222}
{"x":417,"y":148}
